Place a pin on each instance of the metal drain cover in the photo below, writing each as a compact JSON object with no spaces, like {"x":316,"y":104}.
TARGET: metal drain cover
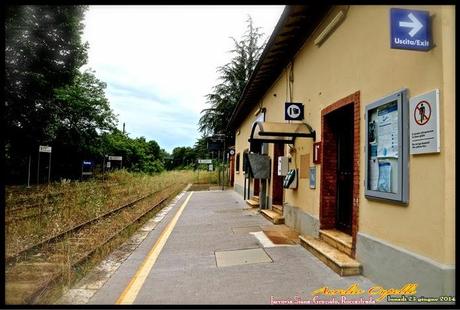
{"x":241,"y":257}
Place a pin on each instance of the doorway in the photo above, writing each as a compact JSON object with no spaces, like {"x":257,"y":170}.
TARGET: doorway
{"x":339,"y":191}
{"x":277,"y":181}
{"x":343,"y":132}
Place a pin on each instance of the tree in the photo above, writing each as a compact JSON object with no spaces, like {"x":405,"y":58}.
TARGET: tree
{"x":233,"y":78}
{"x":201,"y":147}
{"x":82,"y":106}
{"x":183,"y":156}
{"x":43,"y":52}
{"x":139,"y":155}
{"x":83,"y":112}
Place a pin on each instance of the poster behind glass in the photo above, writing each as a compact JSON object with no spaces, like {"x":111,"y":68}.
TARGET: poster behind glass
{"x":383,"y":148}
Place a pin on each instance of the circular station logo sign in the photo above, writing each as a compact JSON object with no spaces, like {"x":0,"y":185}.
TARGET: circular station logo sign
{"x":293,"y":111}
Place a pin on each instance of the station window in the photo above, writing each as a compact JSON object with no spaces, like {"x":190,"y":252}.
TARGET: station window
{"x":387,"y":150}
{"x":237,"y":163}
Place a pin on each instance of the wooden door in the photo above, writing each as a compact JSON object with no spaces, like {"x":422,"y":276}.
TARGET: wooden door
{"x":277,"y":181}
{"x":344,"y":202}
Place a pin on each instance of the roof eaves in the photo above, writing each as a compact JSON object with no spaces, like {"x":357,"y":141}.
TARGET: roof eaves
{"x":288,"y":30}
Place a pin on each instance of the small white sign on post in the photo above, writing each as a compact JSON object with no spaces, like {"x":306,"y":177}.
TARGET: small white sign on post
{"x":211,"y":167}
{"x":424,"y":123}
{"x":205,"y":161}
{"x":44,"y":149}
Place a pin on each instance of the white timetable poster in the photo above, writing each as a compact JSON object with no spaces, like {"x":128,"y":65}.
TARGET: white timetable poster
{"x":387,"y":131}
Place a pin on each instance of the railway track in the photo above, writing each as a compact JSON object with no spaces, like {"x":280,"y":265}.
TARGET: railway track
{"x":21,"y":204}
{"x":10,"y":257}
{"x":33,"y":270}
{"x":39,"y":209}
{"x":57,"y":223}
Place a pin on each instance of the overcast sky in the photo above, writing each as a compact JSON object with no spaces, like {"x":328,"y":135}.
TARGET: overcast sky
{"x":160,"y":61}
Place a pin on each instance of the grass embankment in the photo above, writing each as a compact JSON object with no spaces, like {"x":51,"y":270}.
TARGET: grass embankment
{"x":34,"y":216}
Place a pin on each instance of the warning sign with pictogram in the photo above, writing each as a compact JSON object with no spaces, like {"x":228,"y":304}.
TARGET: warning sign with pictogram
{"x":422,"y":112}
{"x":424,"y":123}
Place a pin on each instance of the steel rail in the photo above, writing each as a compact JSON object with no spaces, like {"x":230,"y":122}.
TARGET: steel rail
{"x":28,"y":249}
{"x":41,"y":195}
{"x":12,"y":218}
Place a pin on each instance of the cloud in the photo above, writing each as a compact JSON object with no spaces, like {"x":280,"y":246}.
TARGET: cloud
{"x":159,"y":62}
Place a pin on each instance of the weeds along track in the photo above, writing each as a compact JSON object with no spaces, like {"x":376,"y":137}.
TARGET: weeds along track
{"x":34,"y":269}
{"x":19,"y":200}
{"x":35,"y":226}
{"x":49,"y":205}
{"x":30,"y":247}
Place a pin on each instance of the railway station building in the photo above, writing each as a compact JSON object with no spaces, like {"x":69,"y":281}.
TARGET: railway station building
{"x":346,"y":133}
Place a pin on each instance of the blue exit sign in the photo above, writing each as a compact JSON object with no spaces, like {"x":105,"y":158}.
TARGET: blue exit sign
{"x":410,"y":29}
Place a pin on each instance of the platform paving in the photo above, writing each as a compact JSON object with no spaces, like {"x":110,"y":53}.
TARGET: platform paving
{"x":186,"y":271}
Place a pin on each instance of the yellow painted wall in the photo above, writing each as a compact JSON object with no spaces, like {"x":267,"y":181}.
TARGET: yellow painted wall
{"x":357,"y":57}
{"x":448,"y":128}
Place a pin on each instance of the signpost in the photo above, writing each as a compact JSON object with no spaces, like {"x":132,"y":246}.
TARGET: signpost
{"x":424,"y":123}
{"x":43,"y":149}
{"x":114,"y":158}
{"x":28,"y":172}
{"x":410,"y":29}
{"x":204,"y":161}
{"x":85,"y":166}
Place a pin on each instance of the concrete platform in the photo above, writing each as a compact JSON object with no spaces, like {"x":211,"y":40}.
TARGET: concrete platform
{"x":187,"y":272}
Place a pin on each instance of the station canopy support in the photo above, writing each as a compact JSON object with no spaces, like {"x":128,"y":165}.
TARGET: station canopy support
{"x":275,"y":132}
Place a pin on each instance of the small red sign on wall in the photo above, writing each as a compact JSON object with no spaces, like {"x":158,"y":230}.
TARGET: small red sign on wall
{"x":317,"y":153}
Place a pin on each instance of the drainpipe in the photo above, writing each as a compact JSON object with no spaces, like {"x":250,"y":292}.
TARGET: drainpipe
{"x":263,"y":182}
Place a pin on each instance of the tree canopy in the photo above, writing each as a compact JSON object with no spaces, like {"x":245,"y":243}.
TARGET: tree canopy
{"x":43,"y":52}
{"x":50,"y":101}
{"x":233,"y":77}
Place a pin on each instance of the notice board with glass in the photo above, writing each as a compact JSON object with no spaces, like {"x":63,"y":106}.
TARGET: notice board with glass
{"x":387,"y":148}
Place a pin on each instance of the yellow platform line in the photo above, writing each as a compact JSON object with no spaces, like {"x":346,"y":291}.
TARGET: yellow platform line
{"x":132,"y":290}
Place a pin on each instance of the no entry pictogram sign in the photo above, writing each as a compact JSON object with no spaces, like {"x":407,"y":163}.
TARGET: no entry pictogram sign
{"x":424,"y":123}
{"x":422,"y":112}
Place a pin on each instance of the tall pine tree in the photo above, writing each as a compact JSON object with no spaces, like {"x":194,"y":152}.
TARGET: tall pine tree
{"x":232,"y":80}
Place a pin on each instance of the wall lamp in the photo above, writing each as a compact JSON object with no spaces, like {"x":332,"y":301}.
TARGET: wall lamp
{"x":329,"y":28}
{"x":260,"y":110}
